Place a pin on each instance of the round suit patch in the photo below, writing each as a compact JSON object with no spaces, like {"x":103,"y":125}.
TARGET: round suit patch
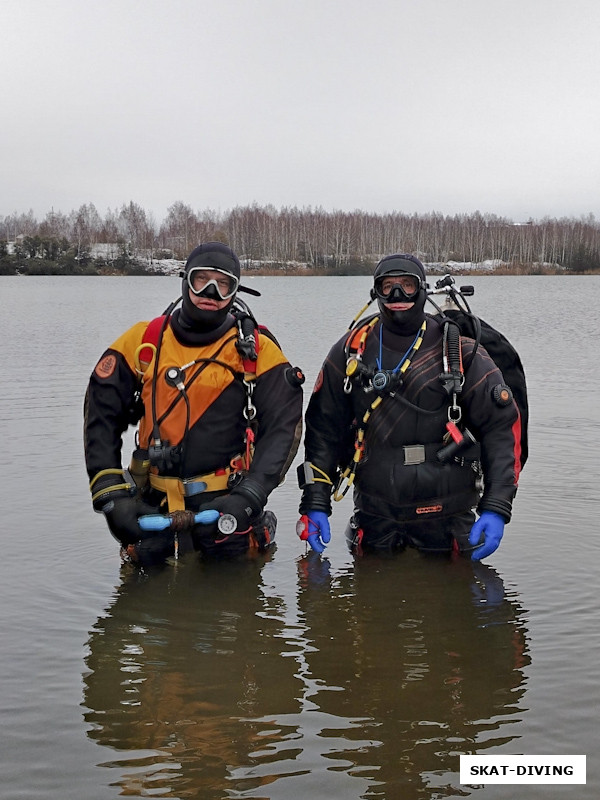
{"x":106,"y":366}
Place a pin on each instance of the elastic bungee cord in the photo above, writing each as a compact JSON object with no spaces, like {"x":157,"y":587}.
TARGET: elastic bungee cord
{"x":359,"y":444}
{"x":379,"y":358}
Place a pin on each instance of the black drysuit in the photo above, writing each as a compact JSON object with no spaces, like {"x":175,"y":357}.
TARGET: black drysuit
{"x":429,"y":504}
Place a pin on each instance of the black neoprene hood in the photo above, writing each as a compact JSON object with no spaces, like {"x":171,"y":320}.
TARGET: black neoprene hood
{"x":402,"y":322}
{"x":400,"y":263}
{"x":214,"y":254}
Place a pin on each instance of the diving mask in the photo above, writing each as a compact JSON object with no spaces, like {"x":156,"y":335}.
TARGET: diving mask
{"x":200,"y":279}
{"x":397,"y":288}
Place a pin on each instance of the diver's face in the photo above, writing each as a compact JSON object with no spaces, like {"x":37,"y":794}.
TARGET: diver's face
{"x":397,"y":291}
{"x":399,"y":306}
{"x":214,"y":283}
{"x":207,"y":303}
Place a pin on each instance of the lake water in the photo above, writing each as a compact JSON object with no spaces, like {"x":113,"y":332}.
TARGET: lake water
{"x":294,"y":676}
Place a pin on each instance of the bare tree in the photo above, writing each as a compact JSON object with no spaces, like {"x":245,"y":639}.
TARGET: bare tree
{"x":321,"y":239}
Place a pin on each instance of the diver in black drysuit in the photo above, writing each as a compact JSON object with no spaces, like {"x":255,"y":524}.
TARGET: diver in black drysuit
{"x":403,"y":494}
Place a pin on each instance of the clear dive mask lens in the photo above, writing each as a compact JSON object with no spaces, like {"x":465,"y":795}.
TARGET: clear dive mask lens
{"x":201,"y":278}
{"x":397,"y":288}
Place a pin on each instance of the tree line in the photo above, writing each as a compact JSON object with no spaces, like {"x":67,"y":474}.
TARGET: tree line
{"x":338,"y":242}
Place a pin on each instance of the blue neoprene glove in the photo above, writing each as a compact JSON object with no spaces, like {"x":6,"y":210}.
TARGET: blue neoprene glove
{"x":315,"y":530}
{"x":491,"y":526}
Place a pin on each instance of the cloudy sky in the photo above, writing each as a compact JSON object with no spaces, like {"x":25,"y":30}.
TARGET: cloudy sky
{"x":411,"y":105}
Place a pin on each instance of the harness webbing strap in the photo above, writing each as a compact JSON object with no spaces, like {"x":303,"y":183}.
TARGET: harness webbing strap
{"x":145,"y":353}
{"x":356,"y":341}
{"x":177,"y":489}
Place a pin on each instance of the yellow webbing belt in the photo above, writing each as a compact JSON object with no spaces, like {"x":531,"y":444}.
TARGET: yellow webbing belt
{"x":174,"y":488}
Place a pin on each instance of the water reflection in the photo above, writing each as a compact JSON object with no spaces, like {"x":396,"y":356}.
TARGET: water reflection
{"x":429,"y":653}
{"x":203,"y":682}
{"x":178,"y":666}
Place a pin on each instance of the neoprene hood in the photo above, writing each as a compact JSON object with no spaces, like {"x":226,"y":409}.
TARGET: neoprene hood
{"x":402,"y":322}
{"x":218,"y":256}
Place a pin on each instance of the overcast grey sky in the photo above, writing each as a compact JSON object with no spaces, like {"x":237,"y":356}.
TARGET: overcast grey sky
{"x":409,"y":105}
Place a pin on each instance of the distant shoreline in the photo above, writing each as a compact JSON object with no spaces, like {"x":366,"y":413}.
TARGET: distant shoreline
{"x":475,"y":272}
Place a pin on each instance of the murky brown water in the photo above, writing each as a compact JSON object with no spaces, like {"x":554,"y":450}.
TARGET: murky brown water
{"x":296,"y":675}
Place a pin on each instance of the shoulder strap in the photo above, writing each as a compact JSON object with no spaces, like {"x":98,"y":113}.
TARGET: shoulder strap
{"x":357,"y":336}
{"x":153,"y":330}
{"x":145,"y":352}
{"x":269,"y":334}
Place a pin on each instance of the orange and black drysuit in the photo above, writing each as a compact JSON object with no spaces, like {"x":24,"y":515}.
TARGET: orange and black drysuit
{"x":202,"y":418}
{"x":401,"y":499}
